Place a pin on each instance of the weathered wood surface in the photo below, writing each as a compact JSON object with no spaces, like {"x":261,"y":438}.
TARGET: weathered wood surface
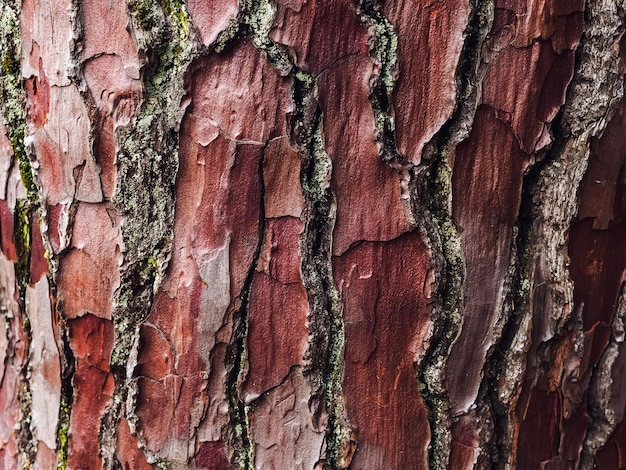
{"x":306,"y":235}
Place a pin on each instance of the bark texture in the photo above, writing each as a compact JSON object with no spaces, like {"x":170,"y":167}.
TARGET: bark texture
{"x":298,"y":234}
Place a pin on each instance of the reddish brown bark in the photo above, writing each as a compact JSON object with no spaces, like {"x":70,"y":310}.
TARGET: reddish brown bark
{"x":312,"y":235}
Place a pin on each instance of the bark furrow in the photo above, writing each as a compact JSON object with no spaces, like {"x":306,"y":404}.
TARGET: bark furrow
{"x":313,"y":235}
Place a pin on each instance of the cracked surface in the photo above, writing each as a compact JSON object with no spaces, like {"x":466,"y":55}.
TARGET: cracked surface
{"x":312,"y":235}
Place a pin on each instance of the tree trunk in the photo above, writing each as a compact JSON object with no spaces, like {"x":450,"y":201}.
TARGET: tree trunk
{"x":312,"y":235}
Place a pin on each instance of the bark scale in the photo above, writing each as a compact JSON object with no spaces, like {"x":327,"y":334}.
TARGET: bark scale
{"x":297,"y":234}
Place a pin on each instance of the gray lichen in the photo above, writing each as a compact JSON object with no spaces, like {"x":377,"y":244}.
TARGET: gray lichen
{"x":147,"y":159}
{"x":148,"y":163}
{"x":257,"y":19}
{"x":431,"y":200}
{"x":549,"y":205}
{"x":326,"y":327}
{"x":13,"y":115}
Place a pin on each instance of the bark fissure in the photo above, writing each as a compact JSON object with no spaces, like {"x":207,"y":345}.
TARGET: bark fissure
{"x":348,"y":234}
{"x":238,"y":353}
{"x":326,"y":328}
{"x":432,"y":194}
{"x":144,"y":196}
{"x":383,"y":52}
{"x":13,"y":108}
{"x":542,"y":227}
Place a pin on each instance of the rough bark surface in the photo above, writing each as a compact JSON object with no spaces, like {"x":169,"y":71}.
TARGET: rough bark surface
{"x":312,"y":235}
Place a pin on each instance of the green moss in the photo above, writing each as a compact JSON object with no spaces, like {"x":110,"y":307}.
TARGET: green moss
{"x":63,"y":432}
{"x":12,"y":96}
{"x":10,"y":64}
{"x":22,"y":237}
{"x":144,"y":13}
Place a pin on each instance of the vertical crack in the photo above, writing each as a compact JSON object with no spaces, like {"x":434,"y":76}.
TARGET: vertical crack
{"x":383,"y":52}
{"x":326,"y":325}
{"x":22,"y":232}
{"x":545,"y":216}
{"x":430,"y":186}
{"x":432,"y":195}
{"x":147,"y":159}
{"x":67,"y":396}
{"x":325,"y":350}
{"x":237,"y":351}
{"x":13,"y":104}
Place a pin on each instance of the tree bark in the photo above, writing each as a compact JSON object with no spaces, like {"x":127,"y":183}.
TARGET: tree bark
{"x":312,"y":235}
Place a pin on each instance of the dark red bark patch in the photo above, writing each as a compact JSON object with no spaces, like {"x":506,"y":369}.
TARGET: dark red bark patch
{"x":96,"y":249}
{"x":116,"y":91}
{"x":91,"y":340}
{"x":486,"y":185}
{"x":540,"y":428}
{"x":210,"y":17}
{"x":530,"y":110}
{"x":430,"y":38}
{"x":278,"y":308}
{"x":559,"y":21}
{"x":161,"y":362}
{"x":386,"y":316}
{"x":13,"y":352}
{"x":369,"y":197}
{"x":127,"y":451}
{"x":155,"y":404}
{"x":212,"y":456}
{"x":465,"y":443}
{"x":7,"y":244}
{"x":598,"y":260}
{"x":216,"y":236}
{"x":603,"y":189}
{"x":281,"y":179}
{"x":319,"y":34}
{"x":215,"y":85}
{"x":38,"y":98}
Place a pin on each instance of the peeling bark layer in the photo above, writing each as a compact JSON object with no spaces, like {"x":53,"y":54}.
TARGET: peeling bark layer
{"x":312,"y":235}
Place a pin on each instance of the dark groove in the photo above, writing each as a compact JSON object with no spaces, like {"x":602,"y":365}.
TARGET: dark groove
{"x":525,"y":245}
{"x":431,"y":189}
{"x":325,"y":321}
{"x":236,"y":352}
{"x":325,"y":349}
{"x":68,"y":368}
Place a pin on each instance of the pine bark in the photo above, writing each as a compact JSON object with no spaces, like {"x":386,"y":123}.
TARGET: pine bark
{"x":312,"y":235}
